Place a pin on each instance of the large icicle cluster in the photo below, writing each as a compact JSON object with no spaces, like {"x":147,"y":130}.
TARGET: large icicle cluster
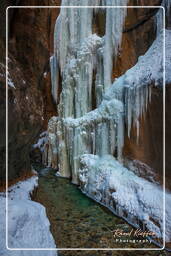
{"x":94,"y":111}
{"x":98,"y":131}
{"x":133,"y":88}
{"x":76,"y":96}
{"x":81,"y":58}
{"x":73,"y":27}
{"x":95,"y":133}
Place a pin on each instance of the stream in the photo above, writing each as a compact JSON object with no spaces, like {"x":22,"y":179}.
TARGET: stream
{"x":79,"y":222}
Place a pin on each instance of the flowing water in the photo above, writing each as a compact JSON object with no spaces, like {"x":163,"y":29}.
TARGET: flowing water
{"x":79,"y":222}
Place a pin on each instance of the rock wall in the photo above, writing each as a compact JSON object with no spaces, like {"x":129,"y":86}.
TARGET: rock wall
{"x":30,"y":103}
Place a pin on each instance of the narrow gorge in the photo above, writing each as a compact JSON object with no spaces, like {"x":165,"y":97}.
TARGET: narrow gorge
{"x":88,"y":126}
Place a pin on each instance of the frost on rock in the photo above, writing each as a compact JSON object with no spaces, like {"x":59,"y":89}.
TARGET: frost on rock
{"x":107,"y":181}
{"x":28,"y":226}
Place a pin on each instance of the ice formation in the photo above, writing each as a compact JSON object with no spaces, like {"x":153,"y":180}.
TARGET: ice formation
{"x":115,"y":18}
{"x":107,"y":181}
{"x":78,"y":130}
{"x":54,"y":77}
{"x":80,"y":56}
{"x":95,"y":113}
{"x":28,"y":226}
{"x":41,"y":141}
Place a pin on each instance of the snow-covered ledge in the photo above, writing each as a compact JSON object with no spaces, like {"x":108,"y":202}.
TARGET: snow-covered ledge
{"x":139,"y":201}
{"x":28,"y":225}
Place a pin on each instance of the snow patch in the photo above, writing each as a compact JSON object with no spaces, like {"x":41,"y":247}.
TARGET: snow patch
{"x":10,"y":83}
{"x":28,"y":226}
{"x":41,"y":141}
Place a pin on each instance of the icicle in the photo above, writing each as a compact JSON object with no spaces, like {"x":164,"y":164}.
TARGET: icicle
{"x":138,"y":130}
{"x":54,"y":77}
{"x":120,"y":138}
{"x":62,"y":39}
{"x":112,"y":137}
{"x":104,"y":139}
{"x":129,"y":111}
{"x":93,"y":140}
{"x":115,"y":18}
{"x":149,"y":93}
{"x":99,"y":83}
{"x":86,"y":21}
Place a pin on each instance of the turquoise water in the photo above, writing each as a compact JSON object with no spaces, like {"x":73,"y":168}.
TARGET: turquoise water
{"x":79,"y":222}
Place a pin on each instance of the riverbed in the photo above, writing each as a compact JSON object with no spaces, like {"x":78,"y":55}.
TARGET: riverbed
{"x":79,"y":222}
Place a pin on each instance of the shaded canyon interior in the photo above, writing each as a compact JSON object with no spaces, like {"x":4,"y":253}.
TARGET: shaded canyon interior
{"x":72,"y":80}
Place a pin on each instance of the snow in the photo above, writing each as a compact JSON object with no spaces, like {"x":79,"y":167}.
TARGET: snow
{"x":134,"y":87}
{"x":41,"y":141}
{"x":108,"y":182}
{"x":28,"y":226}
{"x":45,"y":74}
{"x":10,"y":83}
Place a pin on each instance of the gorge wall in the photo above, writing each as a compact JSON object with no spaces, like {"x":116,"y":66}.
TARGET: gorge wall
{"x":30,"y":104}
{"x":88,"y":92}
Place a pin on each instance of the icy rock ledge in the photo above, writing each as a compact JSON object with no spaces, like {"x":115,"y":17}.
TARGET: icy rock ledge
{"x":28,"y":226}
{"x":136,"y":199}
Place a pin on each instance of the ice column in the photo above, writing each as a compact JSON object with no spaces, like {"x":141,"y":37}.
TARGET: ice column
{"x":115,"y":18}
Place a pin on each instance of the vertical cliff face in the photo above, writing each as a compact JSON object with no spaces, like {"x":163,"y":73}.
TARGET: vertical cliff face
{"x":30,"y":103}
{"x":106,"y":96}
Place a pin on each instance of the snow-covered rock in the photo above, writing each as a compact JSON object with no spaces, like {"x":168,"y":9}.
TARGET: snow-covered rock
{"x":134,"y":87}
{"x":28,"y":226}
{"x":134,"y":198}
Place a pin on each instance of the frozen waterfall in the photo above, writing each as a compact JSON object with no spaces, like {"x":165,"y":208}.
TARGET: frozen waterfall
{"x":94,"y":112}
